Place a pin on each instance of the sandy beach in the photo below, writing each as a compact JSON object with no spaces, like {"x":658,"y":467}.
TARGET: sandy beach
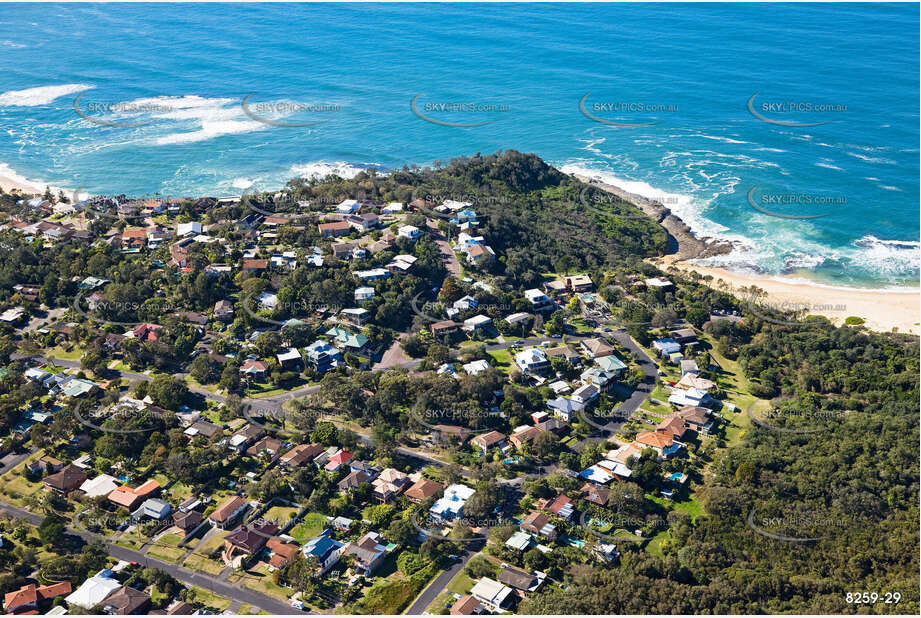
{"x":882,"y":310}
{"x":10,"y":183}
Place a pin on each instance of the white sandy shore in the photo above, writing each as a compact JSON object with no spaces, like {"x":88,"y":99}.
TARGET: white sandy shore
{"x":9,"y":182}
{"x":883,"y":310}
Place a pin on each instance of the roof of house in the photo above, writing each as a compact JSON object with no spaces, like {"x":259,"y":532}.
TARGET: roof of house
{"x":302,"y":453}
{"x":465,"y":606}
{"x":516,"y":578}
{"x":69,"y":477}
{"x":595,"y":493}
{"x":657,"y":439}
{"x":488,"y":439}
{"x":424,"y":488}
{"x":228,"y":508}
{"x":126,"y":600}
{"x":251,"y":537}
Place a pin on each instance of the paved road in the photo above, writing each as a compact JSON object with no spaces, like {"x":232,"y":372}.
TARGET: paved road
{"x":438,"y":585}
{"x":223,"y":589}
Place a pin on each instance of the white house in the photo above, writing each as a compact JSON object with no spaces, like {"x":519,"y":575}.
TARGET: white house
{"x":347,"y":207}
{"x":532,"y":361}
{"x":392,"y":208}
{"x":364,"y":293}
{"x":491,"y":593}
{"x":475,"y":367}
{"x":539,"y":301}
{"x":409,"y":231}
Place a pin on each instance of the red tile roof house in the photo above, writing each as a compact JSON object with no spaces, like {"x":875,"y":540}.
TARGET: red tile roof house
{"x":422,"y":490}
{"x":254,"y":370}
{"x":130,"y":497}
{"x":146,"y":332}
{"x":68,"y":479}
{"x":247,"y":540}
{"x":254,"y":266}
{"x":282,"y":553}
{"x":336,"y":228}
{"x":489,"y":440}
{"x":561,"y":506}
{"x":301,"y":454}
{"x":227,"y":512}
{"x":539,"y":523}
{"x":26,"y":599}
{"x":337,"y":460}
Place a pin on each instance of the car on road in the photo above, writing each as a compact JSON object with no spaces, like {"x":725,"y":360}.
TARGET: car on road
{"x":556,"y":336}
{"x":519,"y":342}
{"x":545,"y":343}
{"x":297,"y":604}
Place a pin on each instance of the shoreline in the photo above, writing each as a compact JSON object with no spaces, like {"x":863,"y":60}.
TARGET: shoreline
{"x":882,"y":310}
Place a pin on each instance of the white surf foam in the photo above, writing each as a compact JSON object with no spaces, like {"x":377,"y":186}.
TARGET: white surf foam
{"x":321,"y":169}
{"x":42,"y":95}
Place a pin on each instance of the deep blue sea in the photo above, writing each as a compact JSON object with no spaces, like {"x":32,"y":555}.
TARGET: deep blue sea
{"x":665,"y":93}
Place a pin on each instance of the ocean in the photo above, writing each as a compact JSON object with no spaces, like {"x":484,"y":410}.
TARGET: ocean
{"x":791,"y":130}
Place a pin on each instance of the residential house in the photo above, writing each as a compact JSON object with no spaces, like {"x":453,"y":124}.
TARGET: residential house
{"x":666,"y":346}
{"x":538,"y":523}
{"x":267,"y":444}
{"x":683,"y":336}
{"x":254,"y":370}
{"x":539,"y":301}
{"x":612,"y":365}
{"x":334,"y":229}
{"x":492,"y":594}
{"x":579,"y":283}
{"x":475,"y":367}
{"x":532,"y":361}
{"x":69,"y":478}
{"x":93,"y":591}
{"x":476,"y":323}
{"x":187,"y":521}
{"x":126,"y":601}
{"x":422,"y":490}
{"x":227,"y":512}
{"x":467,"y":605}
{"x":336,"y":461}
{"x":290,"y":359}
{"x":489,"y":440}
{"x":27,"y":598}
{"x":129,"y":497}
{"x":153,"y":508}
{"x":444,"y":329}
{"x":368,"y":553}
{"x":564,"y":351}
{"x":282,"y":553}
{"x":479,"y":255}
{"x":409,"y":231}
{"x":45,"y":464}
{"x":364,"y":293}
{"x":325,"y":549}
{"x":523,"y":435}
{"x":356,"y":316}
{"x":248,"y":539}
{"x":102,"y":485}
{"x":451,"y":504}
{"x":347,"y":207}
{"x":203,"y":429}
{"x":133,"y":240}
{"x":389,"y":484}
{"x":661,"y":441}
{"x":300,"y":454}
{"x":596,"y":494}
{"x":596,"y":348}
{"x":689,"y":366}
{"x":585,"y":394}
{"x":354,"y":479}
{"x":322,"y":356}
{"x":519,"y":580}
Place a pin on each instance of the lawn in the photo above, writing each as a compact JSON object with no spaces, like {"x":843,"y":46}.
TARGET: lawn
{"x":210,"y":600}
{"x":15,"y":487}
{"x":199,"y":560}
{"x":260,"y":580}
{"x":58,"y":352}
{"x":250,"y":610}
{"x":167,"y":548}
{"x":654,"y":546}
{"x":280,"y":515}
{"x":503,"y":358}
{"x":310,"y":526}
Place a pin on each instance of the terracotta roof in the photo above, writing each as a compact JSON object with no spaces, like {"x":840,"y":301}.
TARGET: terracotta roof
{"x":223,"y":512}
{"x":26,"y":595}
{"x":127,"y":601}
{"x":301,"y":454}
{"x":465,"y":606}
{"x":657,"y":439}
{"x":595,"y":493}
{"x":251,"y":537}
{"x":488,"y":439}
{"x":255,"y":264}
{"x":424,"y":488}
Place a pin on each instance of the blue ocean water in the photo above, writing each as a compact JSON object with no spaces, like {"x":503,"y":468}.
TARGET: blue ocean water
{"x":178,"y":73}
